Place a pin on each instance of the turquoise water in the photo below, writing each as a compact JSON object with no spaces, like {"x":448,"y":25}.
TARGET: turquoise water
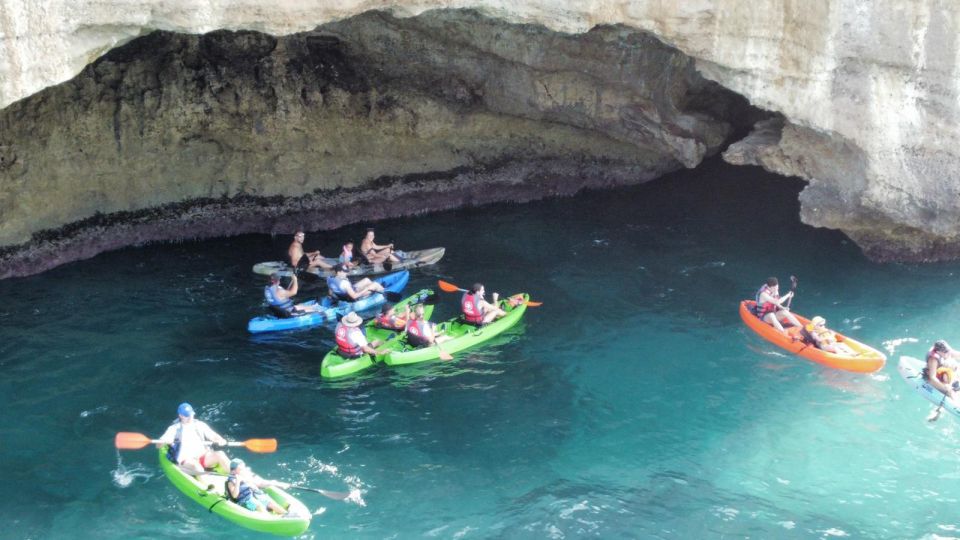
{"x":632,"y":404}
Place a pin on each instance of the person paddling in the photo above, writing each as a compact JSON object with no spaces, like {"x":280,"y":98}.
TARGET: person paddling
{"x":187,"y":441}
{"x":302,"y":260}
{"x":351,"y":340}
{"x":421,"y":332}
{"x":478,"y":311}
{"x":941,"y":373}
{"x":244,"y":488}
{"x":770,"y":308}
{"x":280,"y":300}
{"x":341,"y":288}
{"x":375,"y":253}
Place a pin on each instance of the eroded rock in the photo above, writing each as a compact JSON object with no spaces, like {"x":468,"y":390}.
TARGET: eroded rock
{"x":180,"y":136}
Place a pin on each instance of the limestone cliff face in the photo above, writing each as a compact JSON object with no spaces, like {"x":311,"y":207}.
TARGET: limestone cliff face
{"x":183,"y":136}
{"x":866,"y":95}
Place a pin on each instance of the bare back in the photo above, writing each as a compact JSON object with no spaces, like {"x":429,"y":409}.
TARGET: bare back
{"x":295,"y":252}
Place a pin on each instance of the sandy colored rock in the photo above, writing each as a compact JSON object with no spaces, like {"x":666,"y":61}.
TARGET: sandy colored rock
{"x":248,"y":129}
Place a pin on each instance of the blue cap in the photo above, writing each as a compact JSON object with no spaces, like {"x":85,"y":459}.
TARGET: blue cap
{"x":236,"y":463}
{"x":185,"y":409}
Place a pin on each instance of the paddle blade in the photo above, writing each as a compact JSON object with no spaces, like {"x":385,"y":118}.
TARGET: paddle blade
{"x":444,"y":355}
{"x":131,"y":441}
{"x":336,"y":495}
{"x":447,"y":287}
{"x":261,"y":446}
{"x":534,"y":304}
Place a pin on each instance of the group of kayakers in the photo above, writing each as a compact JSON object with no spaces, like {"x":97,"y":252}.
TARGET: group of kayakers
{"x":193,"y":446}
{"x":942,"y":369}
{"x":370,"y":253}
{"x":475,"y":310}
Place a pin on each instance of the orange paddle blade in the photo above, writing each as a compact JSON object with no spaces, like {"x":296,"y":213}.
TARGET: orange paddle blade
{"x":262,"y":446}
{"x":534,"y":304}
{"x":444,"y":355}
{"x":447,"y":287}
{"x":131,"y":441}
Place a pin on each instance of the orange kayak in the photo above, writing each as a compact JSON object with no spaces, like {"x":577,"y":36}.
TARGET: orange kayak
{"x":867,"y":359}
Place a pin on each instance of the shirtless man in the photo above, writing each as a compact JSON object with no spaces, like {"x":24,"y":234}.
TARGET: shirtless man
{"x":376,"y":253}
{"x":305,"y":260}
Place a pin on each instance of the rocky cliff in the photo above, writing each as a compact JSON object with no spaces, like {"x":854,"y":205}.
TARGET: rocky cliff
{"x":128,"y":122}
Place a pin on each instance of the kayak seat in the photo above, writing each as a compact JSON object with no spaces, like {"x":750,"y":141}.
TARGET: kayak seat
{"x":280,"y":313}
{"x":795,"y":333}
{"x":465,"y":322}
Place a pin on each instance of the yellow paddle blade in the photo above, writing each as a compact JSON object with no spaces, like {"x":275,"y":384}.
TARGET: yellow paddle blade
{"x":131,"y":441}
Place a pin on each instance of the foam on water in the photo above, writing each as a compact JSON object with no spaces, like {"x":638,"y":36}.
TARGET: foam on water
{"x":124,"y":477}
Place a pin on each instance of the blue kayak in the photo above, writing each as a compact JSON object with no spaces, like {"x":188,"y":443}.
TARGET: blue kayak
{"x":392,"y":283}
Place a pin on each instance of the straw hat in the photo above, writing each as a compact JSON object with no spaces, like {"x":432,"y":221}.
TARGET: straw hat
{"x":352,"y":319}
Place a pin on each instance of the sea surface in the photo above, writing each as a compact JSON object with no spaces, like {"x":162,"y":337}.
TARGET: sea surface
{"x":633,"y":403}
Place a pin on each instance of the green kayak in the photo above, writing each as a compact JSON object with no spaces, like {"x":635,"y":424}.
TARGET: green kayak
{"x":462,"y":336}
{"x":334,"y":365}
{"x":209,"y":491}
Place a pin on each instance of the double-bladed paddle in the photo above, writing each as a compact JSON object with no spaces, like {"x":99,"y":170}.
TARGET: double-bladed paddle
{"x":793,"y":289}
{"x":135,"y":441}
{"x":450,"y":287}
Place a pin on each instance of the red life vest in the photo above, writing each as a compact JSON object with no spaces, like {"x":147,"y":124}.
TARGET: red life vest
{"x":471,"y":309}
{"x":417,"y":332}
{"x":389,"y":322}
{"x":766,"y":307}
{"x":347,"y":347}
{"x":416,"y":328}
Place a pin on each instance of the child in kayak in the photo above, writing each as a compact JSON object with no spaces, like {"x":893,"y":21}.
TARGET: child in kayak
{"x":389,"y":319}
{"x":817,"y":333}
{"x":346,"y":255}
{"x":244,"y":488}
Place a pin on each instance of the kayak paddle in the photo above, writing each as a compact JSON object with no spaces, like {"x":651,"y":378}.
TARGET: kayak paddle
{"x":336,"y":495}
{"x":450,"y":287}
{"x":793,"y":289}
{"x":135,"y":441}
{"x":444,"y":355}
